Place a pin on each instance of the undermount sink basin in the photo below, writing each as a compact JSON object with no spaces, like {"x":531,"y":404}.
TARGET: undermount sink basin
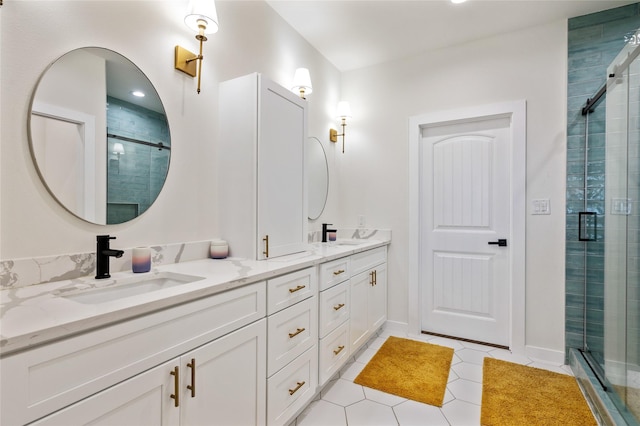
{"x":128,"y":287}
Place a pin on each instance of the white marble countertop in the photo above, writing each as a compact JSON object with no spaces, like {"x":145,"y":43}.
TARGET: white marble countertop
{"x":38,"y":314}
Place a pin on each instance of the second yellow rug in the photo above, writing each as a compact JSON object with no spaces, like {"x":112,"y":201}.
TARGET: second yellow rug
{"x":410,"y":369}
{"x":514,"y":394}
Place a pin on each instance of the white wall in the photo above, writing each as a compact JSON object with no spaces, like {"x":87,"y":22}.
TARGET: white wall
{"x":371,"y":178}
{"x":252,"y":37}
{"x":529,"y":64}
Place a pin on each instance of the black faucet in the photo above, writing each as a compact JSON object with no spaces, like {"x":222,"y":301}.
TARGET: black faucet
{"x":325,"y":230}
{"x":103,"y":253}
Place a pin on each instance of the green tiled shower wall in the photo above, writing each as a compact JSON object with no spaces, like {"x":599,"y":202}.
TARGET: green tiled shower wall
{"x":135,"y":179}
{"x":593,"y":42}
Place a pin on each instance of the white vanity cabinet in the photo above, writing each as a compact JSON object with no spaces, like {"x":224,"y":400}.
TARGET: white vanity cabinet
{"x":334,"y":306}
{"x":220,"y":383}
{"x":136,"y":357}
{"x":292,"y":334}
{"x":368,"y":285}
{"x":261,"y":168}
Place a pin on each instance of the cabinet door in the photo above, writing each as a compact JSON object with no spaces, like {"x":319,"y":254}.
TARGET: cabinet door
{"x":281,"y":180}
{"x":228,"y":384}
{"x":142,"y":400}
{"x":358,"y":314}
{"x":378,"y":298}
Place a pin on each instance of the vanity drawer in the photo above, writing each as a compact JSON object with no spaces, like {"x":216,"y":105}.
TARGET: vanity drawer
{"x":362,"y":261}
{"x":292,"y":388}
{"x":334,"y":308}
{"x":334,"y":272}
{"x":289,"y":289}
{"x":49,"y":377}
{"x":333,"y":352}
{"x":291,"y":332}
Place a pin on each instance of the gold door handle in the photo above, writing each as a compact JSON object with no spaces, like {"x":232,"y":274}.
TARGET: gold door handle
{"x":375,"y":277}
{"x":176,"y":386}
{"x":192,"y":386}
{"x":371,"y":282}
{"x":338,"y":307}
{"x":298,"y":288}
{"x":294,"y":390}
{"x":298,"y":331}
{"x":338,"y":272}
{"x":266,"y":246}
{"x":337,"y":351}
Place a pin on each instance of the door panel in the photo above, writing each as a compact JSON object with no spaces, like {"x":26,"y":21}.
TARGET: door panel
{"x":465,"y":204}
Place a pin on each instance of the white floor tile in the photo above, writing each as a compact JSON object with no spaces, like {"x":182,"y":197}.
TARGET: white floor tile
{"x":344,"y":401}
{"x":467,"y":391}
{"x":382,"y":397}
{"x":412,"y":413}
{"x":369,"y":413}
{"x":366,"y":356}
{"x":460,"y":413}
{"x":506,"y":355}
{"x":343,"y":392}
{"x":350,"y":371}
{"x":322,"y":413}
{"x":549,"y":367}
{"x":468,"y":371}
{"x":472,"y":356}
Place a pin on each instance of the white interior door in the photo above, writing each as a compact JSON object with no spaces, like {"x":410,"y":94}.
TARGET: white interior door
{"x":465,"y":207}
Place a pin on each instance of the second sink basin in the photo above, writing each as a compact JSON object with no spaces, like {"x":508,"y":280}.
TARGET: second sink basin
{"x":131,"y":286}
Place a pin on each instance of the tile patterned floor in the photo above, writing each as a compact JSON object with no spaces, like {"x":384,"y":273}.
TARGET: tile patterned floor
{"x":342,"y":402}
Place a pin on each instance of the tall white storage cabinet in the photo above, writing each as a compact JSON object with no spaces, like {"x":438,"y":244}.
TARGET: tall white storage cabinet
{"x":262,"y":192}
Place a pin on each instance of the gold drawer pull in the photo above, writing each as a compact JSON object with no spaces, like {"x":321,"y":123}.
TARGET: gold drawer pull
{"x":176,"y":386}
{"x":337,"y":351}
{"x":266,"y":246}
{"x":338,"y":272}
{"x":192,"y":386}
{"x":298,"y":331}
{"x":300,"y":287}
{"x":338,"y":307}
{"x":294,"y":390}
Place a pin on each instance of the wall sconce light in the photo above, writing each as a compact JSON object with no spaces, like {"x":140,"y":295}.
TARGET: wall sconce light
{"x":202,"y":18}
{"x":118,"y":149}
{"x":302,"y":82}
{"x":343,"y":112}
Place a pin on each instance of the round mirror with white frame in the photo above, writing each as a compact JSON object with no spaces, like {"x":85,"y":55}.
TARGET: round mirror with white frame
{"x":318,"y":175}
{"x":99,"y":136}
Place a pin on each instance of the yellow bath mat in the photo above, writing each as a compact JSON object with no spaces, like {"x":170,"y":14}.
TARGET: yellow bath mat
{"x":410,"y":369}
{"x":514,"y":394}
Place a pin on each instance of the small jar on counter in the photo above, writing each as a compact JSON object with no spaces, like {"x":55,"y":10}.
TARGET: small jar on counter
{"x":219,"y":249}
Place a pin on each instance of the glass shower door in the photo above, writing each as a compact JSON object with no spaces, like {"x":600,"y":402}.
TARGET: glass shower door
{"x":622,"y":237}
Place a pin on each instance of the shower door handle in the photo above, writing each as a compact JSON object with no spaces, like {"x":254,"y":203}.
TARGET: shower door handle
{"x":502,"y":242}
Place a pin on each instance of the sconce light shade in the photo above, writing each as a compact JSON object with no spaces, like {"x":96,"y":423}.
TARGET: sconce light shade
{"x":302,"y":82}
{"x":343,"y":110}
{"x":118,"y":148}
{"x":202,"y":10}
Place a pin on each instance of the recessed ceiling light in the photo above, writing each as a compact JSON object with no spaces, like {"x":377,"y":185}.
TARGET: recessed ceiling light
{"x":138,"y":93}
{"x":458,"y":1}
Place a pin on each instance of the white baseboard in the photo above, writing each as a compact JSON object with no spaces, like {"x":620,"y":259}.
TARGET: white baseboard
{"x":396,"y":327}
{"x":548,"y":356}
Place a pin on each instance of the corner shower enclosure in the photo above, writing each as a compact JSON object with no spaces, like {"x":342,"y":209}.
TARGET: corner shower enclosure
{"x":609,"y":228}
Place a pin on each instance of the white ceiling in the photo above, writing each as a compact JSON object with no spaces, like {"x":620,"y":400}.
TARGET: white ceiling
{"x":359,"y":33}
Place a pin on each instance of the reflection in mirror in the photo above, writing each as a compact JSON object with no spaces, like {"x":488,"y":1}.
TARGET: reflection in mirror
{"x":318,"y":176}
{"x":101,"y":151}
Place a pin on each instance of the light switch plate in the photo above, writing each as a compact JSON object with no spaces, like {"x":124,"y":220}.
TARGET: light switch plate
{"x":541,"y":206}
{"x":621,"y":206}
